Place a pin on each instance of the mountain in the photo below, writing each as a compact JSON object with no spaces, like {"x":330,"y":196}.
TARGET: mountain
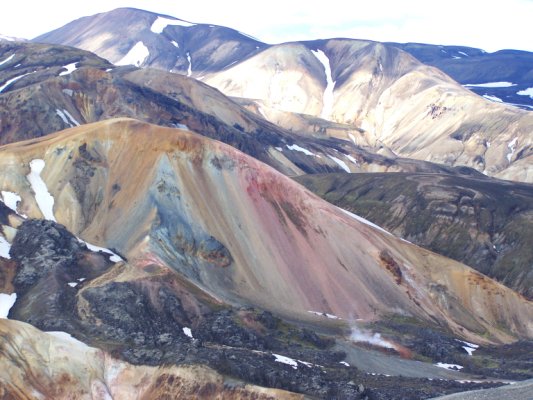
{"x":153,"y":243}
{"x":413,"y":109}
{"x":142,"y":38}
{"x":199,"y":207}
{"x":169,"y":43}
{"x":502,"y":76}
{"x":484,"y":223}
{"x":348,"y":82}
{"x":202,"y":255}
{"x":46,"y":88}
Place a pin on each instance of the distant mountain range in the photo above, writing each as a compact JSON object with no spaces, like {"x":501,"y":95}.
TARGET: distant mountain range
{"x":360,"y":84}
{"x":171,"y":42}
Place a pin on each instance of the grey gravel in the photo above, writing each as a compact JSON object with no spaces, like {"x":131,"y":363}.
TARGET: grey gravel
{"x":517,"y":391}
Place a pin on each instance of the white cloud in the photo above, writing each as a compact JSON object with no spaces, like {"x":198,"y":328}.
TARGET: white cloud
{"x":490,"y":25}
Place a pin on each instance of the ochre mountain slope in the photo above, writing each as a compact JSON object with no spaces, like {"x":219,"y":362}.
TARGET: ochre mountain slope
{"x":415,"y":110}
{"x":246,"y":234}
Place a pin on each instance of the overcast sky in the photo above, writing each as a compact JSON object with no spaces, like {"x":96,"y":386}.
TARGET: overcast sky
{"x":490,"y":24}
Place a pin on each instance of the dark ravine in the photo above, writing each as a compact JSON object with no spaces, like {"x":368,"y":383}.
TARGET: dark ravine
{"x":485,"y":223}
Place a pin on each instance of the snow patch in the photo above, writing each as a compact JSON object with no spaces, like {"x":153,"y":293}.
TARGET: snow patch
{"x":512,"y":148}
{"x":344,"y":363}
{"x":67,"y":118}
{"x":286,"y":360}
{"x":323,"y":314}
{"x":295,"y":147}
{"x":71,"y":118}
{"x":352,"y":137}
{"x":469,"y":347}
{"x":364,"y":221}
{"x":493,"y":98}
{"x":491,"y":84}
{"x":5,"y":248}
{"x":72,"y":284}
{"x":136,"y":56}
{"x":349,"y":157}
{"x":307,"y":364}
{"x":327,"y":99}
{"x":44,"y":200}
{"x":67,"y":337}
{"x":189,"y":70}
{"x":526,"y":92}
{"x":96,"y":249}
{"x":7,"y":59}
{"x":175,"y":44}
{"x":341,"y":163}
{"x":463,"y":53}
{"x":450,"y":367}
{"x":262,"y":112}
{"x":472,"y":345}
{"x":188,"y":332}
{"x":16,"y":78}
{"x":161,"y":23}
{"x":279,"y":149}
{"x":11,"y":200}
{"x":70,"y":69}
{"x":6,"y":302}
{"x":182,"y":126}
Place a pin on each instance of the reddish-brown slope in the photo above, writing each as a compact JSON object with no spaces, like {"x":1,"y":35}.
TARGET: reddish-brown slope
{"x":247,"y":234}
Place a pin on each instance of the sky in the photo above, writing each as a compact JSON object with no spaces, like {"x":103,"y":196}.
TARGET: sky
{"x":490,"y":24}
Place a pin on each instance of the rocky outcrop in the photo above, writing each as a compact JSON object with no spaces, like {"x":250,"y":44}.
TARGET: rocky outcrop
{"x":38,"y":364}
{"x":41,"y":248}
